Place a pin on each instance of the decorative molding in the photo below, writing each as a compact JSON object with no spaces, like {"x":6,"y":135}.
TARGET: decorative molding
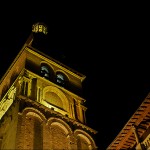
{"x":6,"y":102}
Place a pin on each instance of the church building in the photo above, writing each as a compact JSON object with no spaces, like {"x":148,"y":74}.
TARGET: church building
{"x":41,"y":103}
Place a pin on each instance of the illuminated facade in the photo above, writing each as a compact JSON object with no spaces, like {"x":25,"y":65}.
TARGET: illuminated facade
{"x":135,"y":135}
{"x":40,"y":102}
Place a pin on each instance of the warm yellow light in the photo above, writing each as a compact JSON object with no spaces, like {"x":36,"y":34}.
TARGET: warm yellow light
{"x":39,"y":27}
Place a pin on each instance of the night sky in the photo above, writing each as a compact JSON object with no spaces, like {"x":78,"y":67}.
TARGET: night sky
{"x":106,"y":42}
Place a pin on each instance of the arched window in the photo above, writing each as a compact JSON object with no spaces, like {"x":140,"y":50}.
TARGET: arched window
{"x":59,"y":137}
{"x":45,"y":71}
{"x":60,"y":79}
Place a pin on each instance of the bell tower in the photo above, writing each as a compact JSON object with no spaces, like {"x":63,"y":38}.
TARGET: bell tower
{"x":41,"y":103}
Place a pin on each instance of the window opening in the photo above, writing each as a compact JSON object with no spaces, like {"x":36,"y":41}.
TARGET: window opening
{"x":45,"y":72}
{"x":60,"y":79}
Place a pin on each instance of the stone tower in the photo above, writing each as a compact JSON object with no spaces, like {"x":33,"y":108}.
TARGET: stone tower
{"x":41,"y":106}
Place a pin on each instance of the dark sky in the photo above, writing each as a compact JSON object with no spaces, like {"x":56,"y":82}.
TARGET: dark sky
{"x":106,"y":42}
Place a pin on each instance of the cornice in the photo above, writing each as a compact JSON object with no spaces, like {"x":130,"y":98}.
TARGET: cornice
{"x":47,"y":112}
{"x":55,"y":62}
